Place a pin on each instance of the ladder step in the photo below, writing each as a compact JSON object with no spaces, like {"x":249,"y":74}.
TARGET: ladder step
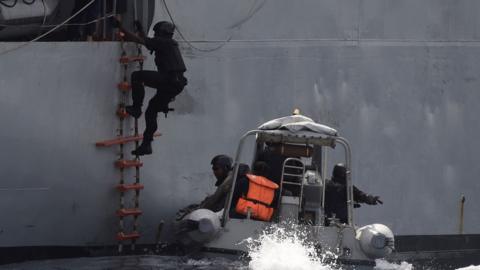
{"x":124,"y":86}
{"x":132,"y":58}
{"x":292,"y":183}
{"x":121,"y":112}
{"x":123,"y":140}
{"x":293,"y":175}
{"x":119,"y":35}
{"x":125,"y":187}
{"x":129,"y":212}
{"x":293,"y":167}
{"x":127,"y":236}
{"x":124,"y":163}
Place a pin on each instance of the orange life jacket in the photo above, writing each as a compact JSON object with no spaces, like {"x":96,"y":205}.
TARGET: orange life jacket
{"x":260,"y":195}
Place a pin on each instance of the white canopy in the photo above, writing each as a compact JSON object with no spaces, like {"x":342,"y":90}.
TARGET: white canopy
{"x":296,"y":124}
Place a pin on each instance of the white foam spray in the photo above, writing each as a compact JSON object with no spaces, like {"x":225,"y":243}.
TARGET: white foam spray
{"x":285,"y":247}
{"x":384,"y":265}
{"x":471,"y":267}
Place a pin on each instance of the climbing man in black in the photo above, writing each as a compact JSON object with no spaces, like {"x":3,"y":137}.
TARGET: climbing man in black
{"x":168,"y":79}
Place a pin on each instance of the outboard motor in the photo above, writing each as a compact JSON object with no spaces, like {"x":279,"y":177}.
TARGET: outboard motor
{"x":198,"y":227}
{"x":376,"y":240}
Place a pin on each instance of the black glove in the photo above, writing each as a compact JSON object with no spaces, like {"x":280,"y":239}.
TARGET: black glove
{"x":374,"y":200}
{"x":138,"y":26}
{"x":115,"y":23}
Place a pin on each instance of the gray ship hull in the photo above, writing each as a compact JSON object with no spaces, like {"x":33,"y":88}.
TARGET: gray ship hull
{"x":405,"y":91}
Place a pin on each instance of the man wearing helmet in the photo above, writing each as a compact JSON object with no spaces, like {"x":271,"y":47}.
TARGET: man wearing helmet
{"x":168,"y":79}
{"x":336,"y":195}
{"x":222,"y":169}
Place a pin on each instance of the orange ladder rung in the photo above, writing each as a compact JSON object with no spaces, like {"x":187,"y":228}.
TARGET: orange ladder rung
{"x":125,"y":187}
{"x":121,"y":112}
{"x":129,"y":212}
{"x":119,"y":35}
{"x":127,"y":236}
{"x":133,"y":58}
{"x":124,"y":163}
{"x":124,"y":86}
{"x":123,"y":140}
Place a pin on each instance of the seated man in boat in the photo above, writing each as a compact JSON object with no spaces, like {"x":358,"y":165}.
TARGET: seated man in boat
{"x":336,"y":196}
{"x":222,"y":169}
{"x":254,"y":195}
{"x":168,"y":79}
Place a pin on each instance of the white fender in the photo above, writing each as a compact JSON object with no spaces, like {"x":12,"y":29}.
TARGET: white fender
{"x":207,"y":229}
{"x":376,"y":240}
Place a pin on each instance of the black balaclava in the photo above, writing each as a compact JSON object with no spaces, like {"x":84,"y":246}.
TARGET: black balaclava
{"x":164,"y":29}
{"x":339,"y":174}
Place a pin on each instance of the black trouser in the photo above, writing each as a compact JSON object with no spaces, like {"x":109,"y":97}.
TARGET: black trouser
{"x":167,"y":89}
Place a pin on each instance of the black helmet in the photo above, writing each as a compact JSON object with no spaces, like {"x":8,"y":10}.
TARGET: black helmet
{"x":339,"y":173}
{"x":260,"y":168}
{"x":164,"y":28}
{"x":222,"y":161}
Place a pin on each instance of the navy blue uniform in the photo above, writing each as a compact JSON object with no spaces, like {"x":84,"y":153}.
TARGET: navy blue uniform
{"x":336,"y":200}
{"x":168,"y":80}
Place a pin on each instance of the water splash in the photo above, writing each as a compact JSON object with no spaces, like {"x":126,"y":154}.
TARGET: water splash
{"x":471,"y":267}
{"x":384,"y":265}
{"x":284,"y":247}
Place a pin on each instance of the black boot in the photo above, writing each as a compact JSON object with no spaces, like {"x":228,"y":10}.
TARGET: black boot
{"x":133,"y":111}
{"x":144,"y":149}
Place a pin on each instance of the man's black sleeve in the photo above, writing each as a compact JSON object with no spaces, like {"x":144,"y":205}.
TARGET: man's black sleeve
{"x":153,"y":44}
{"x":360,"y":196}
